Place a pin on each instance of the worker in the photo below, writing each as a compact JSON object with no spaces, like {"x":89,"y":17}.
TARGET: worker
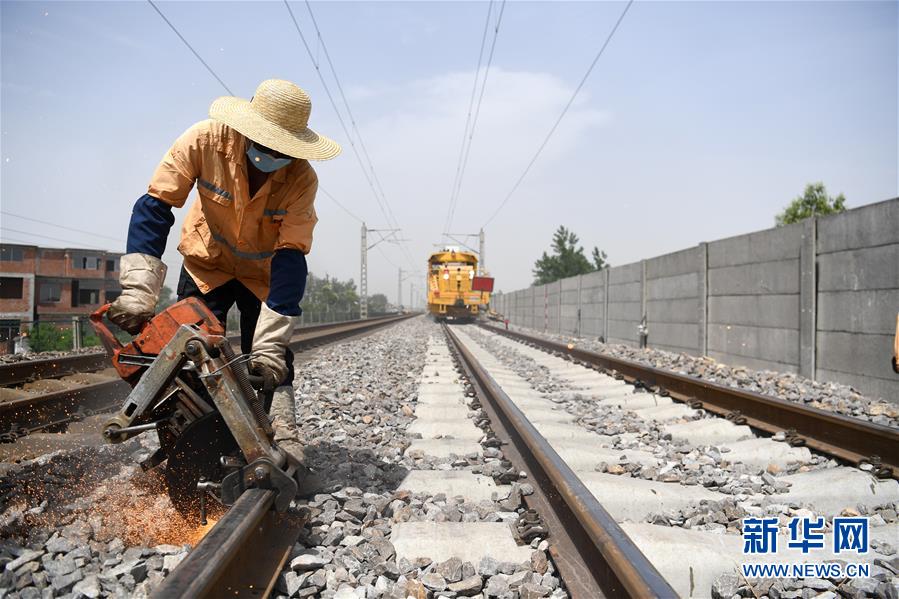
{"x":246,"y":236}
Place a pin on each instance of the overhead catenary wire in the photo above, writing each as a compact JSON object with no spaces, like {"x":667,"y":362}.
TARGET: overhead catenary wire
{"x":7,"y":239}
{"x":219,"y":79}
{"x":561,"y":116}
{"x":315,"y":62}
{"x":391,"y":262}
{"x":474,"y":90}
{"x":369,"y":172}
{"x":341,"y":206}
{"x":349,"y":111}
{"x":466,"y":143}
{"x":340,"y":119}
{"x":74,"y":243}
{"x":377,"y":188}
{"x":44,"y":222}
{"x":191,"y":48}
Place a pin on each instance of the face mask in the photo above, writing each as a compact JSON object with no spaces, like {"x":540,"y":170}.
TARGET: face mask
{"x":265,"y":162}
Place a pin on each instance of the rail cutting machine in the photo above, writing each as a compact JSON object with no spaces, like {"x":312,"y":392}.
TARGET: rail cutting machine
{"x":210,"y":414}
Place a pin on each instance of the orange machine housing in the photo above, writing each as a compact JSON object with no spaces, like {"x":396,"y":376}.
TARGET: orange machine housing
{"x":155,"y":334}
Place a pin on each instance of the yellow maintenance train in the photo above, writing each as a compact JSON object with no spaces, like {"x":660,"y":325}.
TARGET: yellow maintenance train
{"x":455,"y":289}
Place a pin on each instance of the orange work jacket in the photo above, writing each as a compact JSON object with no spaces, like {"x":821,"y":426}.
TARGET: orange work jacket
{"x":227,"y":234}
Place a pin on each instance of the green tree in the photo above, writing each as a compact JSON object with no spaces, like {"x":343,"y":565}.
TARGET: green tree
{"x":377,"y":304}
{"x":166,"y":298}
{"x":599,"y":259}
{"x":814,"y":202}
{"x":329,"y":299}
{"x":47,"y":336}
{"x":567,"y":259}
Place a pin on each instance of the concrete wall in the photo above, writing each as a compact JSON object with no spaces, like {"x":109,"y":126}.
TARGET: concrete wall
{"x":858,"y":298}
{"x":568,"y":310}
{"x":672,"y":300}
{"x":593,"y":304}
{"x":625,"y":305}
{"x":818,"y":298}
{"x":753,"y":299}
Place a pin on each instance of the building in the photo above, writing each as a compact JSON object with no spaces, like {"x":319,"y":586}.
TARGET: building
{"x":52,"y":285}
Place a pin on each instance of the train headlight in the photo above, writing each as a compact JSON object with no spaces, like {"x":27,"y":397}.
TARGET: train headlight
{"x":470,"y":274}
{"x":446,"y":275}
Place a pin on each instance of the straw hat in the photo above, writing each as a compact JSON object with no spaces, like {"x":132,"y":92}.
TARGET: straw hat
{"x":276,"y":117}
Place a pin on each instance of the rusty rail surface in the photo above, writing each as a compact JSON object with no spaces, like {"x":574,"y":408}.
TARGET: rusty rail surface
{"x":16,"y":373}
{"x":851,"y":439}
{"x":595,"y":556}
{"x":314,"y":336}
{"x":52,"y":411}
{"x":240,"y":556}
{"x":24,"y":371}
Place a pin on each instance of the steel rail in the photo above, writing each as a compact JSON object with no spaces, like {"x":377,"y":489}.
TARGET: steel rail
{"x":307,"y":338}
{"x":24,"y":371}
{"x":594,"y":555}
{"x":851,"y":439}
{"x":19,"y":417}
{"x":16,"y":373}
{"x":241,"y":555}
{"x":244,"y":552}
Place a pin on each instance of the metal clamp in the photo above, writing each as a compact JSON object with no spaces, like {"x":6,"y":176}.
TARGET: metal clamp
{"x":793,"y":438}
{"x":877,"y":467}
{"x":736,"y":417}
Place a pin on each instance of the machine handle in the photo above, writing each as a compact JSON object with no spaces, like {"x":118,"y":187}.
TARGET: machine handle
{"x":110,"y":342}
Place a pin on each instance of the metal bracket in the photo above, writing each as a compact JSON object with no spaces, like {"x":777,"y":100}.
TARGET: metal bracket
{"x":794,"y":438}
{"x":154,"y":383}
{"x":261,"y":474}
{"x":877,"y":467}
{"x":736,"y":417}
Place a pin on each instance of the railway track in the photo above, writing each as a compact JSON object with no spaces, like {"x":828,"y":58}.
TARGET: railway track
{"x":52,"y":411}
{"x":859,"y":442}
{"x":595,"y":556}
{"x":243,"y":554}
{"x":599,"y":541}
{"x":463,"y":462}
{"x":26,"y":371}
{"x":613,"y":516}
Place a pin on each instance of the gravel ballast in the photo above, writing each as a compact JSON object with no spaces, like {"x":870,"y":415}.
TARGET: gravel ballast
{"x":835,"y":397}
{"x":90,"y":523}
{"x":746,"y":491}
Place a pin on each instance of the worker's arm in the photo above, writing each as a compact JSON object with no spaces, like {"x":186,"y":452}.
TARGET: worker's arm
{"x":151,"y":220}
{"x":277,"y":317}
{"x":141,"y":271}
{"x":289,"y":270}
{"x":288,"y":282}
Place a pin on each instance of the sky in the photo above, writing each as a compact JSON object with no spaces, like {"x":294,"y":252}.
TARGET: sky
{"x":701,"y":120}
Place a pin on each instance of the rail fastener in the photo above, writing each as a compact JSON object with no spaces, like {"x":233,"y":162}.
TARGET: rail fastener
{"x":595,"y":556}
{"x":853,"y":440}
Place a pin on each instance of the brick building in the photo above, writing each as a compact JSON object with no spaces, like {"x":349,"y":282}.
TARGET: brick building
{"x":52,"y":285}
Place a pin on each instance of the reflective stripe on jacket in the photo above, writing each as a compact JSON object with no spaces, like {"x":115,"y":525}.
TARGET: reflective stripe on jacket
{"x":226,"y":234}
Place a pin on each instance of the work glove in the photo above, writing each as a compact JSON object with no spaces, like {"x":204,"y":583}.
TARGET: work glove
{"x":270,"y":339}
{"x":141,"y":277}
